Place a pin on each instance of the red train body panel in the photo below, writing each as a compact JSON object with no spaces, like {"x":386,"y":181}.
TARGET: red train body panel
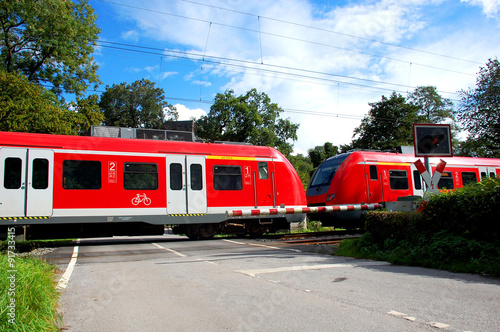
{"x":372,"y":177}
{"x":74,"y":179}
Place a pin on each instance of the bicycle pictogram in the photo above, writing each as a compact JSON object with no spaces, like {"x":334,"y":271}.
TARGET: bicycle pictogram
{"x":141,"y":199}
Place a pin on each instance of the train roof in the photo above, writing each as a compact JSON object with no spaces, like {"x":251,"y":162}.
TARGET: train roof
{"x":92,"y":143}
{"x":391,"y":157}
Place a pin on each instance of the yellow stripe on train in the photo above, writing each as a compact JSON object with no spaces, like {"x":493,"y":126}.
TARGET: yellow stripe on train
{"x":188,"y":215}
{"x":23,"y":218}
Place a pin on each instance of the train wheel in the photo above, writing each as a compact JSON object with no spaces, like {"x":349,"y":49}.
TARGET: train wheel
{"x":201,"y":232}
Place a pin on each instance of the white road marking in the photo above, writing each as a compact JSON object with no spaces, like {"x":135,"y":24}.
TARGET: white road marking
{"x":439,"y":325}
{"x":205,"y":261}
{"x":63,"y":282}
{"x":261,"y":245}
{"x":253,"y":273}
{"x":169,"y":250}
{"x":396,"y":313}
{"x":231,"y":241}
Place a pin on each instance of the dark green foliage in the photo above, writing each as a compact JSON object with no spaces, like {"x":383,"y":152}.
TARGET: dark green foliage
{"x":458,"y":231}
{"x":28,"y":107}
{"x":388,"y":124}
{"x":472,"y":211}
{"x":479,"y":111}
{"x":303,"y":167}
{"x":136,"y":105}
{"x":251,"y":118}
{"x":50,"y":41}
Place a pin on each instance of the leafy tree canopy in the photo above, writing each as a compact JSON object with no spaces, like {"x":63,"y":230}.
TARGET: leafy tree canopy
{"x":50,"y":42}
{"x":388,"y":124}
{"x":28,"y":107}
{"x":251,"y":118}
{"x":136,"y":105}
{"x":322,"y":152}
{"x":304,"y":168}
{"x":479,"y":112}
{"x":432,"y":108}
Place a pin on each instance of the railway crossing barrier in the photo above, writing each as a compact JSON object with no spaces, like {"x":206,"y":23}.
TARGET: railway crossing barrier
{"x":299,"y":210}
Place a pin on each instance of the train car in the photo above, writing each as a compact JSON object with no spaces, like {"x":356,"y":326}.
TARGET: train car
{"x":75,"y":186}
{"x":367,"y":177}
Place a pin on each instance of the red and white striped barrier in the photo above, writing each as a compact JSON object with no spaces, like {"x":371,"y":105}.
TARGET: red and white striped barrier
{"x":431,"y":182}
{"x":298,"y":210}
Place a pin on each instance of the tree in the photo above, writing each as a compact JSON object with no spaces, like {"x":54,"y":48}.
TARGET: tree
{"x":251,"y":118}
{"x":87,"y":113}
{"x":321,"y":153}
{"x":479,"y":111}
{"x":388,"y":124}
{"x":28,"y":107}
{"x":50,"y":41}
{"x":136,"y":105}
{"x":303,"y":167}
{"x":432,"y":108}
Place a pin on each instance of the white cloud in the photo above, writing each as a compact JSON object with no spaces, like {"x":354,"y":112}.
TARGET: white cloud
{"x":339,"y":73}
{"x":131,"y":35}
{"x":490,"y":7}
{"x":189,"y":114}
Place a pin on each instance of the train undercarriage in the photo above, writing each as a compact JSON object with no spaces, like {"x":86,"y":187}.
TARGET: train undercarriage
{"x":241,"y":227}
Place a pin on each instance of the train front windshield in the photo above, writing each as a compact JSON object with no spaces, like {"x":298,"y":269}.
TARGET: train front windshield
{"x":326,"y":171}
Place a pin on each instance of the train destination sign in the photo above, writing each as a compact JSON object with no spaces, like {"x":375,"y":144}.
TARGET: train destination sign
{"x":432,"y":140}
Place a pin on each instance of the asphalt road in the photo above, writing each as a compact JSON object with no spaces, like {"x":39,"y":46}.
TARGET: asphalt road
{"x":168,"y":283}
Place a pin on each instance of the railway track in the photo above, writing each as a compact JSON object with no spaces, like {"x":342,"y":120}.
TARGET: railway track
{"x":330,"y":237}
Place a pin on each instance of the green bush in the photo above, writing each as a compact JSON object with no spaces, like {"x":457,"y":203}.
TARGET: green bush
{"x":472,"y":211}
{"x":458,"y":231}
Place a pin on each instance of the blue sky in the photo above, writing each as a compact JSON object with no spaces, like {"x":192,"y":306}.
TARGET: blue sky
{"x":321,"y":61}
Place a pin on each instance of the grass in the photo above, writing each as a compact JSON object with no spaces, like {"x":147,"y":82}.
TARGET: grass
{"x":28,"y":295}
{"x":26,"y":246}
{"x":442,"y":251}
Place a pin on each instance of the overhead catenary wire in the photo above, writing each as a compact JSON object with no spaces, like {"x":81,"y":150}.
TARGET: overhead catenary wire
{"x":260,"y":32}
{"x":270,"y":68}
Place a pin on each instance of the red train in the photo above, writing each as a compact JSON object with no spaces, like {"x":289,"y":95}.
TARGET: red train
{"x":73,"y":186}
{"x":371,"y":177}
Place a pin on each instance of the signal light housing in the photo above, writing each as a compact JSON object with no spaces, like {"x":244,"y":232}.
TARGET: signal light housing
{"x":432,"y":140}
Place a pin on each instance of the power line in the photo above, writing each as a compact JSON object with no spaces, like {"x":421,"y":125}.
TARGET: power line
{"x":260,"y":32}
{"x":237,"y":63}
{"x":329,"y":31}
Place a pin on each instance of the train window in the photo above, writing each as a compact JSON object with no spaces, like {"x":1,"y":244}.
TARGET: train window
{"x":416,"y":180}
{"x":323,"y":176}
{"x":12,"y":173}
{"x":492,"y":175}
{"x":227,"y":178}
{"x":468,"y":177}
{"x":196,"y":177}
{"x":373,"y":172}
{"x":81,"y":174}
{"x":263,"y":171}
{"x":140,"y":176}
{"x":175,"y":176}
{"x":398,"y":180}
{"x":446,"y":181}
{"x":40,"y":176}
{"x":483,"y":175}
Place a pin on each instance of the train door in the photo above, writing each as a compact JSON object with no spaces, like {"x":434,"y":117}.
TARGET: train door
{"x":186,"y":184}
{"x":417,"y":183}
{"x":373,"y":184}
{"x":264,"y":180}
{"x":27,"y":182}
{"x":487,"y":172}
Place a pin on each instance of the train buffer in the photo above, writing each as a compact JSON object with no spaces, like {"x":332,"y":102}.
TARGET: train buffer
{"x":300,"y":210}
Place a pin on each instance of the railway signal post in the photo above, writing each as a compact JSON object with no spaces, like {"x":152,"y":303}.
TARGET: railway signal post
{"x":431,"y":140}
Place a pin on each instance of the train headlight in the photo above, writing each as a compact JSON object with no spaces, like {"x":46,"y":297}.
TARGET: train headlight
{"x":330,"y":197}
